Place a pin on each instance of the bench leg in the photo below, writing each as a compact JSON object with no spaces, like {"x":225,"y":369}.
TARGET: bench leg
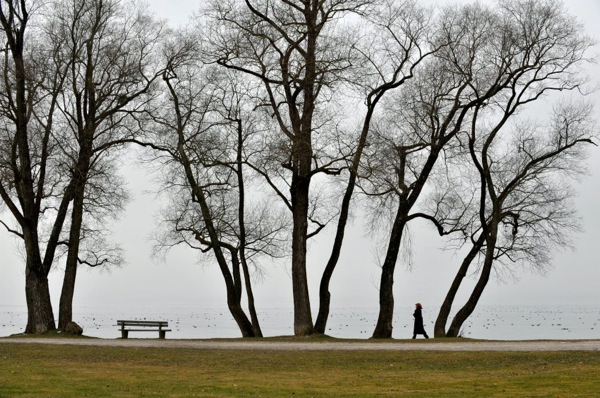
{"x":124,"y":333}
{"x":161,"y":334}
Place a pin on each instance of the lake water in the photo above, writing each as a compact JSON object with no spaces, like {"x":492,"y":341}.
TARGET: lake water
{"x":488,"y":322}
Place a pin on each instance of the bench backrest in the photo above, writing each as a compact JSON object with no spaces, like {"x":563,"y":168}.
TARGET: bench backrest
{"x":143,"y":323}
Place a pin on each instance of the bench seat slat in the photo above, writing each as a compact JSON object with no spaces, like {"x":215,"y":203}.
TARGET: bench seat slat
{"x":143,"y":325}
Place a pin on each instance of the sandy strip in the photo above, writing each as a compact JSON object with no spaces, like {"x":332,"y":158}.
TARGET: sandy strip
{"x":542,"y":345}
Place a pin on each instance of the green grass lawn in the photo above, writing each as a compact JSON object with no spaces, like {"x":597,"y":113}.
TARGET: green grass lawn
{"x":38,"y":370}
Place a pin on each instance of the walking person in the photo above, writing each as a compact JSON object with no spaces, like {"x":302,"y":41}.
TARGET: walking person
{"x":419,"y":328}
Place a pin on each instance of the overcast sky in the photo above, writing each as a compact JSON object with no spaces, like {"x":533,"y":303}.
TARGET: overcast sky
{"x":180,"y":279}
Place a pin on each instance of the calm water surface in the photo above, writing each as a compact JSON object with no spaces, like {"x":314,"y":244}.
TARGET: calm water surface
{"x":488,"y":322}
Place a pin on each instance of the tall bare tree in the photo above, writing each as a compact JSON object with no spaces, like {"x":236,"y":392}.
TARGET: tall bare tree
{"x":517,"y":189}
{"x":487,"y":59}
{"x":68,"y":93}
{"x":34,"y":196}
{"x":525,"y":212}
{"x":391,"y":52}
{"x":417,"y":128}
{"x":203,"y":131}
{"x":299,"y":52}
{"x":109,"y":48}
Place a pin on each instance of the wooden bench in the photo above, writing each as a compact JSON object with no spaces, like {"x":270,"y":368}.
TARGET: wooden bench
{"x":143,"y":326}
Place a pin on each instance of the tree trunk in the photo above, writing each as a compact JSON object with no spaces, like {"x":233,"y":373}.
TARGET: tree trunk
{"x":40,"y":317}
{"x":442,"y":318}
{"x":250,"y":296}
{"x":240,"y":317}
{"x":324,"y":294}
{"x":232,"y":282}
{"x":234,"y":289}
{"x":233,"y":285}
{"x":65,"y":315}
{"x":303,"y":325}
{"x":236,"y":310}
{"x":242,"y":221}
{"x":383,"y":329}
{"x":302,"y":157}
{"x":233,"y":292}
{"x":466,"y":311}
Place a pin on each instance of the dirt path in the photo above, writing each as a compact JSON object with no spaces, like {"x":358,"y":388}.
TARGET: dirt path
{"x":563,"y":345}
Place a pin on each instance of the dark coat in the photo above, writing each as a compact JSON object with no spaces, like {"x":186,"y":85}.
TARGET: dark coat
{"x":419,"y":328}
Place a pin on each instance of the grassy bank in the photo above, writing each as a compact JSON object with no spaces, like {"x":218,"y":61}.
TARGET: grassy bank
{"x":33,"y":370}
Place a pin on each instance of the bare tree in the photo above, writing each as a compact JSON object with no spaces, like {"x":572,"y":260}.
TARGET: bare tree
{"x":418,"y":127}
{"x":69,"y":94}
{"x":396,"y":45}
{"x":480,"y":64}
{"x":33,"y":195}
{"x":203,"y":133}
{"x":518,"y":189}
{"x":108,"y":48}
{"x":299,"y":52}
{"x":525,"y":211}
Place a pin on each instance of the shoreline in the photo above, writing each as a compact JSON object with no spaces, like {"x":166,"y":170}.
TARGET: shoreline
{"x":320,"y":345}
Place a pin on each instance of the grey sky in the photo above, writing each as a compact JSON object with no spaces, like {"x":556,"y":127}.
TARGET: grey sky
{"x":180,"y":279}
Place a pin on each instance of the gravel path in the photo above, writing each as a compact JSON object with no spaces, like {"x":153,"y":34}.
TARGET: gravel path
{"x":563,"y":345}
